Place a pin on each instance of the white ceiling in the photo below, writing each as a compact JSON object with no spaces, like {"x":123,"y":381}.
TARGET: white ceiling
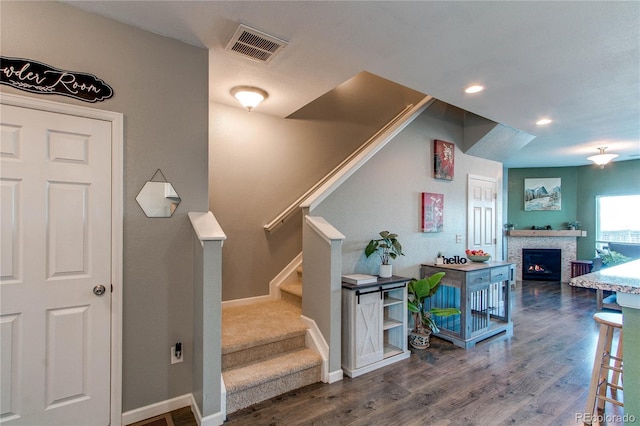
{"x":577,"y":62}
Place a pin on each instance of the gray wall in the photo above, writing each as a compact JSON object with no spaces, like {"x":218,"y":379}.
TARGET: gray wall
{"x":385,"y":195}
{"x":160,"y":86}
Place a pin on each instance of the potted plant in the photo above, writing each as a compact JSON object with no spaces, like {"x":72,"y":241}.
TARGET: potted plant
{"x":611,"y":258}
{"x":418,"y":291}
{"x":572,"y":225}
{"x":388,"y":247}
{"x":509,"y":226}
{"x":439,"y":258}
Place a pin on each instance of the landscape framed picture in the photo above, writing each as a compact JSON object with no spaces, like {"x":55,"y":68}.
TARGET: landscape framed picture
{"x":432,"y":212}
{"x":443,"y":159}
{"x":542,"y":194}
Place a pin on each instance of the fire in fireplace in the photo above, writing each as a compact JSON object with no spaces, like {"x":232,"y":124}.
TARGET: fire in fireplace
{"x":541,"y":264}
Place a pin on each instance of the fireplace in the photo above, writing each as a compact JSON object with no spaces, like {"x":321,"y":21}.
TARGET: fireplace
{"x":542,"y":264}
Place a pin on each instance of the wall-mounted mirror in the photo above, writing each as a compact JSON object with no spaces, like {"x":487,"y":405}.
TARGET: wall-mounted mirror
{"x":158,"y":199}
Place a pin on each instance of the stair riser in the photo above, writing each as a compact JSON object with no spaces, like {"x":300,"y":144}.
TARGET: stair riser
{"x":245,"y":398}
{"x":262,"y":352}
{"x":291,"y":298}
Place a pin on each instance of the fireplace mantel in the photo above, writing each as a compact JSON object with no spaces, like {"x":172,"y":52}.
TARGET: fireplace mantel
{"x":546,"y":233}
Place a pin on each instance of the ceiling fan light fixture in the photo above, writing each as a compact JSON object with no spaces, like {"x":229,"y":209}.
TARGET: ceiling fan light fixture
{"x":249,"y":96}
{"x":602,"y":158}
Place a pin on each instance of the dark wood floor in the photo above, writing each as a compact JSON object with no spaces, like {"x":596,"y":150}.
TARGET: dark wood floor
{"x":539,"y":376}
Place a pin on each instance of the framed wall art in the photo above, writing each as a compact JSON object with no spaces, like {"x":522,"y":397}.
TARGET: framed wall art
{"x":432,"y":212}
{"x":443,"y":159}
{"x":542,"y":194}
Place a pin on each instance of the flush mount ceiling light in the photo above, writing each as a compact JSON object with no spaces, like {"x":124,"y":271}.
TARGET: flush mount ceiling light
{"x":602,"y":158}
{"x":543,"y":121}
{"x":474,"y":89}
{"x":249,"y":96}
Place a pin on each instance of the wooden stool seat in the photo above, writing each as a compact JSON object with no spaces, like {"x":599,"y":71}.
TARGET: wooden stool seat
{"x":609,"y":318}
{"x":603,"y":366}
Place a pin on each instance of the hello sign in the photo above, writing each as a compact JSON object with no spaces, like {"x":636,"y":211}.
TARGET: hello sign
{"x":36,"y":77}
{"x":455,"y":260}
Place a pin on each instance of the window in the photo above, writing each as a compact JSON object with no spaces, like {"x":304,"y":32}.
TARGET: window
{"x":617,"y":219}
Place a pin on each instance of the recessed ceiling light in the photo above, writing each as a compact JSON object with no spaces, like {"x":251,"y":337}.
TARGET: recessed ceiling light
{"x":474,"y":89}
{"x":543,"y":121}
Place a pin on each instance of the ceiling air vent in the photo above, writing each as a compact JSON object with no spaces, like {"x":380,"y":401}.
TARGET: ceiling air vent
{"x":254,"y":44}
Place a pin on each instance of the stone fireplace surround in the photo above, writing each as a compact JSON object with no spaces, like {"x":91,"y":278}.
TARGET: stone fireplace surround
{"x":568,"y":244}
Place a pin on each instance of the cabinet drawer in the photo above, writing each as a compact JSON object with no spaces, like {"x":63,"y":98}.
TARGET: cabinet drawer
{"x":500,"y":274}
{"x":479,"y":277}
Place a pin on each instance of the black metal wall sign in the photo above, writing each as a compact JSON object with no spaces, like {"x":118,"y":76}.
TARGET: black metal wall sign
{"x":36,"y":77}
{"x":455,"y":260}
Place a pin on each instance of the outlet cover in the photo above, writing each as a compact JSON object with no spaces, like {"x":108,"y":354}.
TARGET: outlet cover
{"x":174,"y":359}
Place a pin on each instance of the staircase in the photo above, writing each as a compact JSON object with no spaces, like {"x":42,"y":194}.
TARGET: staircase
{"x":264,"y":354}
{"x":291,"y":291}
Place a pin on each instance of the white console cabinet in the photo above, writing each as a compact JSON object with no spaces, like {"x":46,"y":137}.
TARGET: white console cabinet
{"x":374,"y":325}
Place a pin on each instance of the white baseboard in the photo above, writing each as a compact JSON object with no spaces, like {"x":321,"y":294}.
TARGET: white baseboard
{"x":316,"y":341}
{"x":274,"y":286}
{"x":163,"y":407}
{"x":284,"y":275}
{"x":156,"y":409}
{"x":212,"y":420}
{"x":335,"y":376}
{"x":247,"y":301}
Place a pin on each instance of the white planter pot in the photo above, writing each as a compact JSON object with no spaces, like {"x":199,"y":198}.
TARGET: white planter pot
{"x":385,"y":271}
{"x":439,"y":260}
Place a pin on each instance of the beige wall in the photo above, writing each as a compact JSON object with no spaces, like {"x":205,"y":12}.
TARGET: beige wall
{"x":260,"y":164}
{"x":385,"y":195}
{"x":160,"y":86}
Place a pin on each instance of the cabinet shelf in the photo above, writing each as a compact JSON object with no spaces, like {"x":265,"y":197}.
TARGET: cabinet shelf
{"x":390,"y":350}
{"x":391,"y":323}
{"x":390,"y":301}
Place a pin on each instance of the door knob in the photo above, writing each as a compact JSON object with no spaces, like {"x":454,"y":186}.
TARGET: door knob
{"x":99,"y":290}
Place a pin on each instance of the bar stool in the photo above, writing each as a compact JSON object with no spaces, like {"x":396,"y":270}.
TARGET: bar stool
{"x":602,"y":365}
{"x":580,"y":267}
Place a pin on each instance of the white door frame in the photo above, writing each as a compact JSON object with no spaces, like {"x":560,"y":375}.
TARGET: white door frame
{"x":117,"y":142}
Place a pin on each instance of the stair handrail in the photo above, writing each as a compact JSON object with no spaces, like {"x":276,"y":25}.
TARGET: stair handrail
{"x":286,"y":213}
{"x":360,"y":157}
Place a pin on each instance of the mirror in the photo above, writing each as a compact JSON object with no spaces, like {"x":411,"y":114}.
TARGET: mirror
{"x":158,"y":199}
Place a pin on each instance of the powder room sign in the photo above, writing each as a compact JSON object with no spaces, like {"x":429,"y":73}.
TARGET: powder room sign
{"x":36,"y":77}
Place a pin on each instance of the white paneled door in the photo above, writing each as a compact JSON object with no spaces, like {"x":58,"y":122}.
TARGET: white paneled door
{"x":55,"y":285}
{"x":481,"y":205}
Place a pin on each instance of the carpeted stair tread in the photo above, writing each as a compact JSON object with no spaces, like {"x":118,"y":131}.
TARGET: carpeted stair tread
{"x":262,"y":352}
{"x":293,"y":287}
{"x":258,"y":324}
{"x":252,"y":375}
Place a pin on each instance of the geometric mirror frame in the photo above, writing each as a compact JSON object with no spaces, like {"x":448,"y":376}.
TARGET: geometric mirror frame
{"x":158,"y":198}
